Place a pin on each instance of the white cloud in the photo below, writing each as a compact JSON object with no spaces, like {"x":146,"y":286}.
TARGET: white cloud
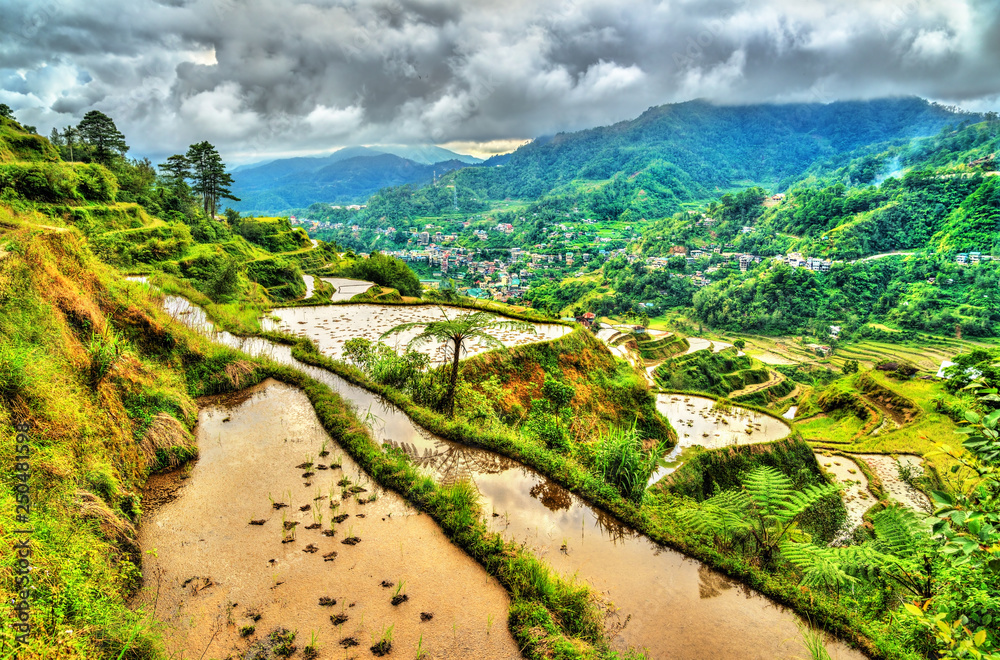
{"x":262,"y":76}
{"x":220,"y":113}
{"x":334,"y":122}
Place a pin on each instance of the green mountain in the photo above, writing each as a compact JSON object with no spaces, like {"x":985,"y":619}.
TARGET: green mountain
{"x":347,"y":176}
{"x":691,"y":150}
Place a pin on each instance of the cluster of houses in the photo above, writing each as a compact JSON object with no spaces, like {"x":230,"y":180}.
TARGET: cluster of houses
{"x":971,"y":257}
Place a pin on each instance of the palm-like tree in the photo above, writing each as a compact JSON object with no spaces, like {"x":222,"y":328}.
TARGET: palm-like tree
{"x":470,"y":326}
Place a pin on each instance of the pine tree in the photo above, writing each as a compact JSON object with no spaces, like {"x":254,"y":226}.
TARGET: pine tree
{"x":176,"y":170}
{"x":99,"y":131}
{"x":70,"y":137}
{"x":211,"y":180}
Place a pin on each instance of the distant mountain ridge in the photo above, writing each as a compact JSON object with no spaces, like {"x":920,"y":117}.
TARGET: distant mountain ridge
{"x":347,"y":176}
{"x":696,"y":147}
{"x":672,"y":154}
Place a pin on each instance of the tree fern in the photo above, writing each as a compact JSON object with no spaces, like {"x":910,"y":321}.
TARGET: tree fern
{"x":900,"y":553}
{"x":900,"y":532}
{"x":764,"y":514}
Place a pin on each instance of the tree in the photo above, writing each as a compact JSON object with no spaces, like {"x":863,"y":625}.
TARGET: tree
{"x":902,"y":553}
{"x":70,"y":137}
{"x":763,"y":516}
{"x":176,"y":170}
{"x":850,"y":367}
{"x":211,"y":180}
{"x":224,"y":281}
{"x":740,"y":344}
{"x":469,"y":326}
{"x":6,"y":112}
{"x":99,"y":131}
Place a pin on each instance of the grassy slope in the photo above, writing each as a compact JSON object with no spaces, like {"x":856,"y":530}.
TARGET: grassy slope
{"x":100,"y":424}
{"x":606,"y":391}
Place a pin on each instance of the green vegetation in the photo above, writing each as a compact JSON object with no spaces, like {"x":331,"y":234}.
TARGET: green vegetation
{"x":468,"y":327}
{"x":383,"y":270}
{"x":761,"y":517}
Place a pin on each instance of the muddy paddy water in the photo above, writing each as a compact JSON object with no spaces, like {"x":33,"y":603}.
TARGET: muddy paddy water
{"x":345,"y":289}
{"x":888,"y":470}
{"x":330,"y":326}
{"x":857,"y":498}
{"x":310,"y":285}
{"x":674,"y":606}
{"x":213,"y":567}
{"x":698,"y":421}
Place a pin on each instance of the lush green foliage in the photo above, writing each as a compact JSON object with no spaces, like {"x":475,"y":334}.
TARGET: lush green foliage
{"x":619,"y":459}
{"x":683,"y":151}
{"x":383,"y":270}
{"x":762,"y":516}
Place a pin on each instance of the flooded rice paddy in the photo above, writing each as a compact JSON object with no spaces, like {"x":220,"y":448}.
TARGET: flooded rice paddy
{"x":331,"y":326}
{"x":310,"y":285}
{"x":699,"y":421}
{"x":888,"y":470}
{"x":699,"y":344}
{"x":224,"y":552}
{"x":674,"y":606}
{"x":857,"y":497}
{"x":345,"y":289}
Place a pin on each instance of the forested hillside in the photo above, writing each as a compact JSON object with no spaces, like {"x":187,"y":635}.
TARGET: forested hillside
{"x":689,"y":150}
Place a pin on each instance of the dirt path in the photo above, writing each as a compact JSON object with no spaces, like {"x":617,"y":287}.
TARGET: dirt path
{"x":213,"y":571}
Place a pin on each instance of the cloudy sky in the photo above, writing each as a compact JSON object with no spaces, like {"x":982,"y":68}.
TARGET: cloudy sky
{"x":267,"y":78}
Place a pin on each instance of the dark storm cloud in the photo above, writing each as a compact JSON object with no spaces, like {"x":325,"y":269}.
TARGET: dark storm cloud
{"x":259,"y":77}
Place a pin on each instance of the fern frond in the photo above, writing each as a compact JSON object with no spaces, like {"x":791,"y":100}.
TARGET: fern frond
{"x":820,"y":566}
{"x":899,"y":531}
{"x":769,"y":490}
{"x":835,"y":567}
{"x":799,"y":501}
{"x":722,"y":515}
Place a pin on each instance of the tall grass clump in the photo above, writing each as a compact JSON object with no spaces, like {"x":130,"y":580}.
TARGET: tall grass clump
{"x":620,"y":461}
{"x":14,"y":370}
{"x":105,"y":351}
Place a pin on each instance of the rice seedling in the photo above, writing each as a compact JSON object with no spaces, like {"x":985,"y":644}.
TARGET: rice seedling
{"x":384,"y":644}
{"x":399,"y":596}
{"x":311,"y":651}
{"x":812,"y":639}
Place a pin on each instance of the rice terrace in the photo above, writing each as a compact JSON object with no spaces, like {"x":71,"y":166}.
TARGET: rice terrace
{"x":557,"y":330}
